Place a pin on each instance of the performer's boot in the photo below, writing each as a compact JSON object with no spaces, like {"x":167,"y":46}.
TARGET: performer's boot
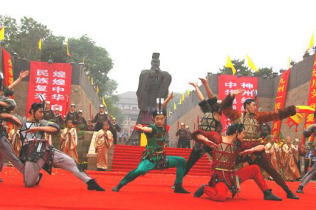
{"x":179,"y":189}
{"x":93,"y":185}
{"x":40,"y":175}
{"x":268,"y":195}
{"x":117,"y":188}
{"x":291,"y":195}
{"x":199,"y":191}
{"x":300,"y":189}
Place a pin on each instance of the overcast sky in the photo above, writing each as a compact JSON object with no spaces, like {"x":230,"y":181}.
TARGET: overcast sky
{"x":193,"y":36}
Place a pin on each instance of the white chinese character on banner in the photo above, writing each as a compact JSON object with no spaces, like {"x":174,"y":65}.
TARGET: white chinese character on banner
{"x":58,"y":82}
{"x":247,"y":85}
{"x":41,"y":80}
{"x":58,"y":97}
{"x":41,"y":88}
{"x":235,"y":101}
{"x":234,"y":107}
{"x":230,"y":84}
{"x":57,"y":106}
{"x":227,"y":92}
{"x":42,"y":72}
{"x":59,"y":74}
{"x":38,"y":95}
{"x":58,"y":89}
{"x":248,"y":93}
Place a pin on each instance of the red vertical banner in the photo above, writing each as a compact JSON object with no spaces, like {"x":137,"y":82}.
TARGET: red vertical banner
{"x":51,"y":80}
{"x":7,"y":68}
{"x":312,"y":96}
{"x":228,"y":83}
{"x":280,"y":101}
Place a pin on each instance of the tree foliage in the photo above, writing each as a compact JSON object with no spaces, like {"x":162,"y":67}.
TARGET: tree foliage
{"x":22,"y":39}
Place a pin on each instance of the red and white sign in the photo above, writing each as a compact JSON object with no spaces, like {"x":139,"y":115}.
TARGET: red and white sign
{"x":53,"y":82}
{"x":228,"y":83}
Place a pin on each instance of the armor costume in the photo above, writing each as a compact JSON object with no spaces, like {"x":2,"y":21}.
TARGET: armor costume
{"x":310,"y":131}
{"x":207,"y":124}
{"x":225,"y":177}
{"x":252,"y":122}
{"x":6,"y":151}
{"x":36,"y":153}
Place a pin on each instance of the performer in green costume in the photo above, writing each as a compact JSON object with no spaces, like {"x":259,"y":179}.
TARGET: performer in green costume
{"x":154,"y":156}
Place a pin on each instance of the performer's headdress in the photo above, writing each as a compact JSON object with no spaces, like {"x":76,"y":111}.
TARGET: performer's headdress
{"x":160,"y":109}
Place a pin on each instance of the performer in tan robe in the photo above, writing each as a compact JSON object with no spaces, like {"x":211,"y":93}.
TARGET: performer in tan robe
{"x":291,"y":171}
{"x":103,"y":143}
{"x":14,"y":139}
{"x":69,"y":140}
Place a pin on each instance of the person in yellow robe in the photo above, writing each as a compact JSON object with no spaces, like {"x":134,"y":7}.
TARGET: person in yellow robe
{"x":291,"y":171}
{"x":69,"y":140}
{"x":14,"y":139}
{"x":103,"y":143}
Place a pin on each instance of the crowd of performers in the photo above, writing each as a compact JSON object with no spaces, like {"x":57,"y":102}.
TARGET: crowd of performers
{"x":239,"y":155}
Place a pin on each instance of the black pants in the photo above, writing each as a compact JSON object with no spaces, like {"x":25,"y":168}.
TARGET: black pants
{"x":183,"y":143}
{"x":197,"y":152}
{"x":262,"y":161}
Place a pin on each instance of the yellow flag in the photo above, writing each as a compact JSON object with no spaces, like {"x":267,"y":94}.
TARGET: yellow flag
{"x":2,"y":33}
{"x":180,"y":100}
{"x":40,"y":44}
{"x":143,"y":140}
{"x":91,"y":81}
{"x":67,"y":48}
{"x":97,"y":89}
{"x":103,"y":101}
{"x":311,"y":42}
{"x":174,"y":106}
{"x":182,"y":97}
{"x":251,"y":65}
{"x":229,"y":64}
{"x":188,"y":92}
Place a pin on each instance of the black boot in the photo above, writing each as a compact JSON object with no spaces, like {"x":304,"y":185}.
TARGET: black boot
{"x":199,"y":191}
{"x":117,"y":188}
{"x":268,"y":195}
{"x":179,"y":189}
{"x":39,"y":178}
{"x":291,"y":195}
{"x":300,"y":189}
{"x":92,"y":185}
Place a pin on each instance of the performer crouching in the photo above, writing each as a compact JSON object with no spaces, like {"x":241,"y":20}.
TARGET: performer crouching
{"x":36,"y":153}
{"x":225,"y":177}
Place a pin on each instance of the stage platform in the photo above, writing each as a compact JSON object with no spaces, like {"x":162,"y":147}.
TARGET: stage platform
{"x":153,"y":191}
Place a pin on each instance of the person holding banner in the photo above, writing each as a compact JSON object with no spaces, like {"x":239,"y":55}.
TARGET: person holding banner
{"x":225,"y":178}
{"x":154,"y":156}
{"x":252,"y":119}
{"x":36,"y":153}
{"x":308,"y":133}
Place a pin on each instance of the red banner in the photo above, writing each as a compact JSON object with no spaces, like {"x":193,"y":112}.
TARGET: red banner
{"x":7,"y":68}
{"x":51,"y":80}
{"x":228,"y":83}
{"x":312,"y":96}
{"x":280,"y":101}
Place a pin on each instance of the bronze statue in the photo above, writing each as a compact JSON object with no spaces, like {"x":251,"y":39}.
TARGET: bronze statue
{"x":153,"y":83}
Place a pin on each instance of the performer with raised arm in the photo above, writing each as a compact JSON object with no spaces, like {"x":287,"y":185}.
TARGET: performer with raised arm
{"x":211,"y":121}
{"x":7,"y":105}
{"x":309,"y":132}
{"x":225,"y":177}
{"x":154,"y":156}
{"x":252,"y":119}
{"x":36,"y":153}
